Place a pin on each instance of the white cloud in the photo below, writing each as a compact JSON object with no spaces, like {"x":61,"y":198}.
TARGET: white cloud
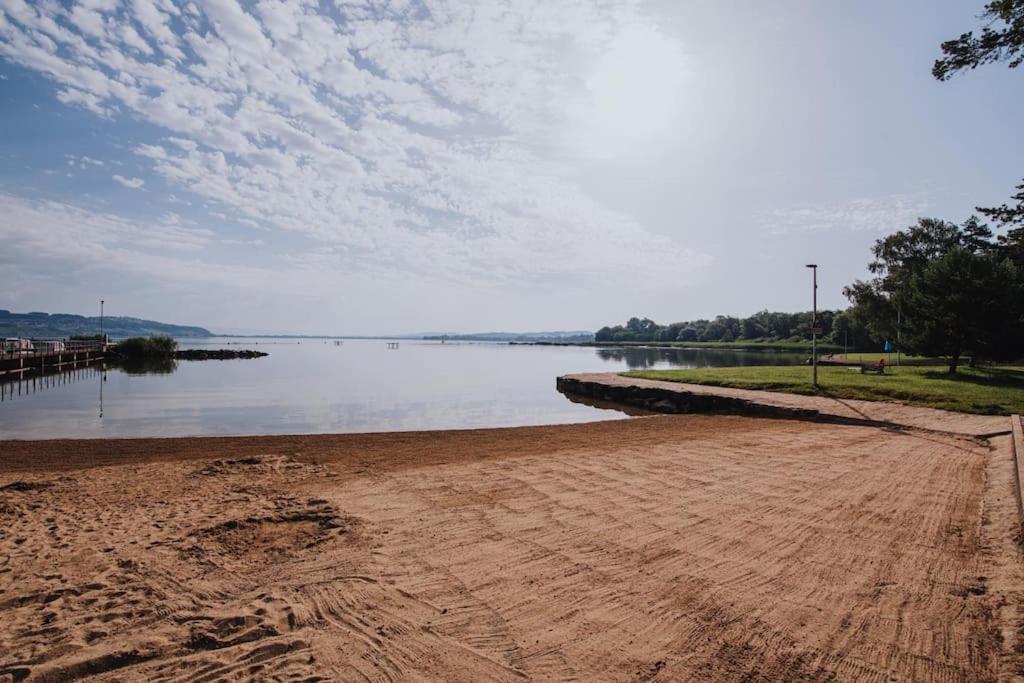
{"x":133,"y":183}
{"x":82,"y":161}
{"x":424,"y":141}
{"x":867,"y":214}
{"x":59,"y":230}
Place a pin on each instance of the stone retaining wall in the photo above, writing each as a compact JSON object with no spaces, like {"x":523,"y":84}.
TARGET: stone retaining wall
{"x":661,"y":400}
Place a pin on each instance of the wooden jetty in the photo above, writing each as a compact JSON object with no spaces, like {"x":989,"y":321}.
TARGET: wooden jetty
{"x":71,"y":354}
{"x":15,"y":387}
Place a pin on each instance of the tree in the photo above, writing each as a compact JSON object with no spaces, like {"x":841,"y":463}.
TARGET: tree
{"x":732,"y":327}
{"x":963,"y":301}
{"x":1007,"y":214}
{"x":956,"y":290}
{"x":872,"y":311}
{"x":726,"y":328}
{"x":714,"y":331}
{"x":1011,"y":246}
{"x":1001,"y":40}
{"x":849,"y":330}
{"x":751,"y":328}
{"x":670,"y":332}
{"x":688,"y":334}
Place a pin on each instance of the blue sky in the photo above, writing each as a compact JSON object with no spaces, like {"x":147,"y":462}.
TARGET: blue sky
{"x":369,"y":167}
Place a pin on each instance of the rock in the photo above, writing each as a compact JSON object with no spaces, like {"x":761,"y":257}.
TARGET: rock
{"x":217,"y":354}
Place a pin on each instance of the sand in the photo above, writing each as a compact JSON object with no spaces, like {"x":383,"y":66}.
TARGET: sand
{"x":670,"y":547}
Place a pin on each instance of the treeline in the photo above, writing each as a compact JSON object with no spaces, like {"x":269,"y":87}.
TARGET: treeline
{"x":764,"y":326}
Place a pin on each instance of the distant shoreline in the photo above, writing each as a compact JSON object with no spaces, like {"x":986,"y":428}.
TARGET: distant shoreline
{"x":784,"y":347}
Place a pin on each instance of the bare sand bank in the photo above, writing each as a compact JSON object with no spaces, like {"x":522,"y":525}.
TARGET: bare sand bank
{"x":678,"y":547}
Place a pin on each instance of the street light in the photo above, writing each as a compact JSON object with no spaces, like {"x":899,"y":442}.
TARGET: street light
{"x":103,"y":339}
{"x":814,"y":324}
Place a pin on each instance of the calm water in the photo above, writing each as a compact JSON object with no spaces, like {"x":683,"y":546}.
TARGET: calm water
{"x":316,"y":387}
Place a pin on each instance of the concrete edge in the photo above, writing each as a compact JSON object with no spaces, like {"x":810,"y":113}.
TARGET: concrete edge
{"x":679,"y":401}
{"x":675,"y":401}
{"x":1017,"y":427}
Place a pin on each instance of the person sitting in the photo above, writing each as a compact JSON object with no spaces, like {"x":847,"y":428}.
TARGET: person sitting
{"x":878,"y":368}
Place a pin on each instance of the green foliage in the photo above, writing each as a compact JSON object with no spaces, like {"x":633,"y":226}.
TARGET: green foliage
{"x":763,"y":326}
{"x":1007,"y":214}
{"x":963,"y":301}
{"x":985,"y":391}
{"x":851,"y":331}
{"x":147,"y":366}
{"x":944,"y":289}
{"x":1001,"y":40}
{"x":147,"y":348}
{"x":796,"y":345}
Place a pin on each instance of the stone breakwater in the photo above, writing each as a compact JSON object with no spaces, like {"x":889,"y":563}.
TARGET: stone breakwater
{"x":216,"y":354}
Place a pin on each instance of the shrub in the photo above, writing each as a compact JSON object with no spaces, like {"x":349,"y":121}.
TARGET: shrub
{"x":147,"y":347}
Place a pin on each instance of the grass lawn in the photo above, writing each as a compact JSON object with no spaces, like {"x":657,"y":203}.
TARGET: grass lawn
{"x":988,"y":391}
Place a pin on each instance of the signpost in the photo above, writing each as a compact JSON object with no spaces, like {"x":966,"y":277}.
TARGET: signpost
{"x":815,"y":327}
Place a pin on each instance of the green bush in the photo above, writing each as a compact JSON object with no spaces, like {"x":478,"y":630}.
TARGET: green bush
{"x":137,"y":348}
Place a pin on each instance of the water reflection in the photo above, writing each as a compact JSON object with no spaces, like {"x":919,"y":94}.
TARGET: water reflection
{"x":646,"y":357}
{"x":162,"y":366}
{"x":317,"y":387}
{"x":623,"y":408}
{"x":11,"y":390}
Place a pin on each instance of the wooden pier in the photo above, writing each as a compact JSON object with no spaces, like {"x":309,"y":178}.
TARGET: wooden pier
{"x":16,"y":387}
{"x":18,"y":364}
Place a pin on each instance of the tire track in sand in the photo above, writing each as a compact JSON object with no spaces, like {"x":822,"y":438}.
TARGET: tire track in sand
{"x":710,"y":548}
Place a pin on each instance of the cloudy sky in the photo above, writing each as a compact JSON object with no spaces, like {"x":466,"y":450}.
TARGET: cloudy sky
{"x":383,"y":166}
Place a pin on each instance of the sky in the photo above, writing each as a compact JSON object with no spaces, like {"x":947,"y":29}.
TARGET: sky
{"x":396,"y":166}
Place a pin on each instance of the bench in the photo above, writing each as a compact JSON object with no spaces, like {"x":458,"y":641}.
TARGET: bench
{"x":877,"y":368}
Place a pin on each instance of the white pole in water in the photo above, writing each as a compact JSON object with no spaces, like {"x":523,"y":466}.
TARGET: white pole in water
{"x":814,"y":324}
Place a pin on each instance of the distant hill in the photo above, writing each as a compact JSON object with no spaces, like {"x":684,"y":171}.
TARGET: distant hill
{"x":560,"y":336}
{"x":37,"y":324}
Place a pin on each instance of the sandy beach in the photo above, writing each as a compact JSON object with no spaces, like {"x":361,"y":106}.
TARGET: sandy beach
{"x":670,"y":547}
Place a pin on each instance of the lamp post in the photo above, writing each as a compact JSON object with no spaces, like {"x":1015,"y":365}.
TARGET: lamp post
{"x":103,"y":339}
{"x":814,"y":324}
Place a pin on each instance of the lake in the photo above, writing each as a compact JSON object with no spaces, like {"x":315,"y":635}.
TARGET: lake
{"x":311,"y":386}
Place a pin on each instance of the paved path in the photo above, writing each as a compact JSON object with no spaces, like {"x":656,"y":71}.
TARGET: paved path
{"x":879,"y":411}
